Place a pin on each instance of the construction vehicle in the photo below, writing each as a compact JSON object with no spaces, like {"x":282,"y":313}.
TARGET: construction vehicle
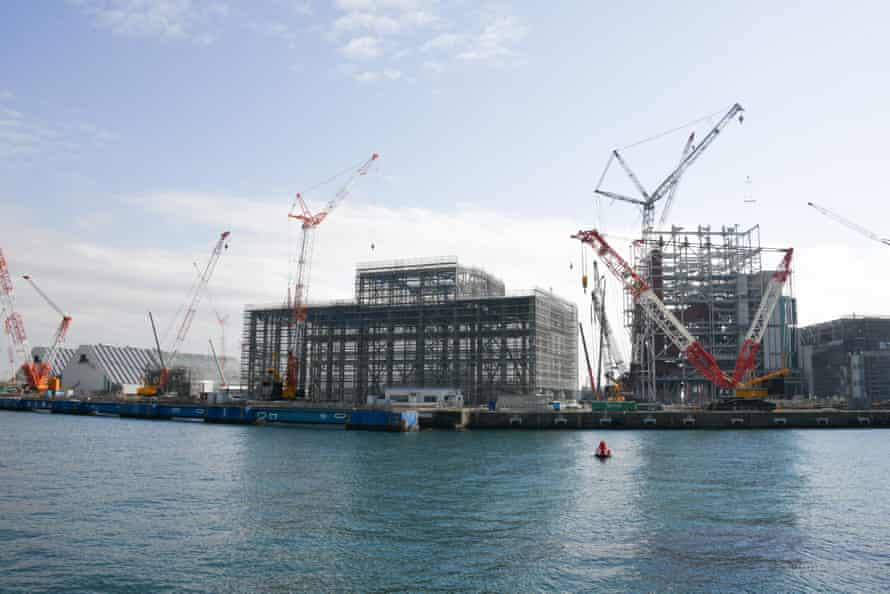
{"x":676,"y":332}
{"x":850,"y":224}
{"x":298,"y":290}
{"x":746,"y":389}
{"x":165,"y":378}
{"x":38,"y":375}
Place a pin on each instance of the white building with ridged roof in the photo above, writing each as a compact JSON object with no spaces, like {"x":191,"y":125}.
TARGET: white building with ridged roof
{"x":103,"y":369}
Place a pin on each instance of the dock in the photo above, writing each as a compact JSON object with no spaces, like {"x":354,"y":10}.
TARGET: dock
{"x":376,"y":419}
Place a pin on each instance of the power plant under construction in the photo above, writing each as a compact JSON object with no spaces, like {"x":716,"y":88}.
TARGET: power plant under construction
{"x":709,"y":315}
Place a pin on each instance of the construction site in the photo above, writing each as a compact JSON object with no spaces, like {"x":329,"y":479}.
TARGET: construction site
{"x":424,"y":324}
{"x":708,"y":319}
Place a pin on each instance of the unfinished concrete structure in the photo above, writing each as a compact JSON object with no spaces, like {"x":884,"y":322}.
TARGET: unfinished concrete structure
{"x":848,"y":357}
{"x":424,"y":323}
{"x":712,"y":281}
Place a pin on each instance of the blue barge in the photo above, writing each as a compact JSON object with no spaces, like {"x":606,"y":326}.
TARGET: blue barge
{"x":241,"y":414}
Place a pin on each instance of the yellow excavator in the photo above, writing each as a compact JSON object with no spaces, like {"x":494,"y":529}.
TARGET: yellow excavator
{"x":746,"y":389}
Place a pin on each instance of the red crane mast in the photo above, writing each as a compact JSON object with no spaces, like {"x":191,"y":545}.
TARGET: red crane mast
{"x":299,"y":291}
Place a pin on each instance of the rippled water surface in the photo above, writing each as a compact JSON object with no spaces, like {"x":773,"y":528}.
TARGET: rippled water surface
{"x":100,"y":504}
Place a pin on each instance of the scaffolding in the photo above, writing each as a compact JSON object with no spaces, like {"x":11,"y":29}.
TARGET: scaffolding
{"x":713,"y":281}
{"x":420,"y":323}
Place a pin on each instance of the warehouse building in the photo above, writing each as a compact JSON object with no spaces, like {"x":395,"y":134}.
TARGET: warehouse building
{"x":99,"y":369}
{"x":420,"y":324}
{"x":848,"y":357}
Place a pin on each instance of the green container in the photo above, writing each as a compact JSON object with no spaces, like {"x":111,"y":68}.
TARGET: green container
{"x":614,"y":406}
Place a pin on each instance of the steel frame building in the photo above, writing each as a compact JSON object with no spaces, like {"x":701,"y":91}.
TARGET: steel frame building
{"x":848,"y":357}
{"x":425,"y":323}
{"x":713,"y":281}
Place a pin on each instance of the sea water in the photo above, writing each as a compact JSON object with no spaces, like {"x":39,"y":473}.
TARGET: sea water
{"x":105,"y":505}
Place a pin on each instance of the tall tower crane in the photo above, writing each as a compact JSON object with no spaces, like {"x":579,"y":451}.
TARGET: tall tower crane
{"x":155,"y":383}
{"x":850,"y":224}
{"x":647,"y":201}
{"x":299,"y":291}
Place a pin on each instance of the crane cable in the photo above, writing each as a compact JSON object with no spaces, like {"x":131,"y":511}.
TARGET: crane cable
{"x":676,"y":129}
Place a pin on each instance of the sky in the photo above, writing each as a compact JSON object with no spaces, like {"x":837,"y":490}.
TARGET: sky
{"x":132,"y":132}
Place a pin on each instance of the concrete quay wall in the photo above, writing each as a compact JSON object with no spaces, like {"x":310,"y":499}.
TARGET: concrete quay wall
{"x":810,"y":419}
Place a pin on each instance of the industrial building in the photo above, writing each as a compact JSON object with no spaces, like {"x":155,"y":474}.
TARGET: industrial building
{"x":848,"y":357}
{"x":98,"y":369}
{"x":713,"y":282}
{"x":424,"y":324}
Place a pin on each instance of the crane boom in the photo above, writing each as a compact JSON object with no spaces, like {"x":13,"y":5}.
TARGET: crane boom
{"x":587,"y":357}
{"x":299,"y":291}
{"x":696,"y":152}
{"x":748,"y":354}
{"x":219,"y":368}
{"x":653,"y":307}
{"x":850,"y":224}
{"x":672,"y":192}
{"x":13,"y":324}
{"x":197,"y":293}
{"x":615,"y":362}
{"x":39,"y":373}
{"x":668,"y":183}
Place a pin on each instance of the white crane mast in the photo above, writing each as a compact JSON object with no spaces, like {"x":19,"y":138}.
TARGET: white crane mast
{"x":691,"y":154}
{"x":197,"y":293}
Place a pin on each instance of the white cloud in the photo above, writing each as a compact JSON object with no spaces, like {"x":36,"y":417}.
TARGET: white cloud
{"x":108,"y":289}
{"x":274,"y":30}
{"x":496,"y":40}
{"x":431,"y":66}
{"x":362,"y":48}
{"x":367,"y":76}
{"x":23,"y":136}
{"x":392,"y":74}
{"x":358,"y":21}
{"x":173,"y":19}
{"x":6,"y":95}
{"x":302,"y":7}
{"x":443,"y":41}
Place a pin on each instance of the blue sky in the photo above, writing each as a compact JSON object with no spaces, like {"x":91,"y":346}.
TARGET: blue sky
{"x":133,"y":131}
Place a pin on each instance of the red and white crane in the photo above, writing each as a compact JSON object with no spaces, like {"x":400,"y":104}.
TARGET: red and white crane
{"x":13,"y":324}
{"x":39,"y":374}
{"x":676,"y":332}
{"x":657,"y":311}
{"x":747,"y":357}
{"x":298,"y":292}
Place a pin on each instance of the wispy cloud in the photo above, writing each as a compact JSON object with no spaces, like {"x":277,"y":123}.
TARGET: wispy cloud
{"x":496,"y":40}
{"x":362,"y":48}
{"x":443,"y":41}
{"x":23,"y":136}
{"x":5,"y":95}
{"x":275,"y":31}
{"x":393,"y":30}
{"x":171,"y":19}
{"x":387,"y":29}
